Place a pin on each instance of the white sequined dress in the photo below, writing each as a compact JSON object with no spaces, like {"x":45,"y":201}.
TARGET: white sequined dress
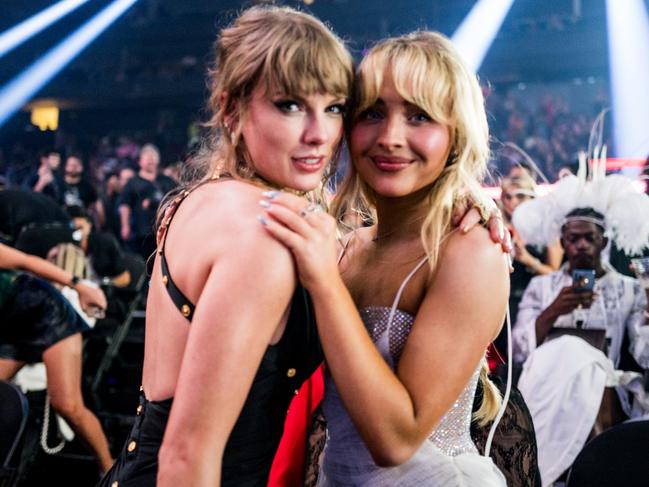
{"x":448,"y":458}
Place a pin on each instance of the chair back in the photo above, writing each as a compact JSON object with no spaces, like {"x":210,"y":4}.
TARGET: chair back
{"x":616,"y":457}
{"x":14,"y":410}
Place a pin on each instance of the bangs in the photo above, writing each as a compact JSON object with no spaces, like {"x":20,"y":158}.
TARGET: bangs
{"x":418,"y":77}
{"x":306,"y":65}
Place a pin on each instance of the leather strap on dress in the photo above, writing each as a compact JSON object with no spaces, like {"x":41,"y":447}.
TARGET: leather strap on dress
{"x":184,"y":305}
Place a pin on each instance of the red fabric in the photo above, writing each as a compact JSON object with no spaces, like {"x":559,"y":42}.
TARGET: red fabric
{"x":288,"y":465}
{"x":493,"y":358}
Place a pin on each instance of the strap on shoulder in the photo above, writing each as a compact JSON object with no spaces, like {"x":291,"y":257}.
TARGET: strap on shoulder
{"x":184,"y":305}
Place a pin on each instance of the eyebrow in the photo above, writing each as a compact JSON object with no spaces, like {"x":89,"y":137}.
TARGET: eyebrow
{"x":406,"y":103}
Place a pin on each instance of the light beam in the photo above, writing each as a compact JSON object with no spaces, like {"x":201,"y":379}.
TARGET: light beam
{"x":476,"y":33}
{"x":27,"y":29}
{"x":628,"y":47}
{"x":20,"y":90}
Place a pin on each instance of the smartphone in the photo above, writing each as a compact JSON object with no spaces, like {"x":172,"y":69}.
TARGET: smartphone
{"x":583,"y":279}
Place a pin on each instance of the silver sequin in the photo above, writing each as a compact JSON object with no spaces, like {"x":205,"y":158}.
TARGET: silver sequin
{"x":452,"y":434}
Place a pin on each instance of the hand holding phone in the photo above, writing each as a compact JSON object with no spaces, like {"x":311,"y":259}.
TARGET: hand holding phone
{"x":583,"y":280}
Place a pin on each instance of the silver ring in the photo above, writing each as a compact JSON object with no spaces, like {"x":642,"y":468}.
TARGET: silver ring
{"x":312,"y":208}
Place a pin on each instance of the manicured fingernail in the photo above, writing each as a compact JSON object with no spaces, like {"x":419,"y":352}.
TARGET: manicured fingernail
{"x":501,"y":232}
{"x":271,"y":194}
{"x":466,"y":228}
{"x":265,"y":203}
{"x":263,"y":220}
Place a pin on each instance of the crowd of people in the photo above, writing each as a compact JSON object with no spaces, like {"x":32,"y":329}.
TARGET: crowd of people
{"x":400,"y":283}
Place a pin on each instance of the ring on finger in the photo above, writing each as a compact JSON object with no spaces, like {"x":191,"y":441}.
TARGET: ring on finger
{"x":309,"y":209}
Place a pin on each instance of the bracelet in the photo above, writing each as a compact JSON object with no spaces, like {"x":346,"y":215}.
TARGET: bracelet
{"x":74,"y":281}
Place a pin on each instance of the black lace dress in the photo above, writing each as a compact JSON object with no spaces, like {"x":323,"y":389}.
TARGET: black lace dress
{"x":513,"y":449}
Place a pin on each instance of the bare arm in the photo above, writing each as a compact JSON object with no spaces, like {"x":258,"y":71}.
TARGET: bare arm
{"x":462,"y":311}
{"x":11,"y":258}
{"x":239,"y":309}
{"x":125,"y":221}
{"x":100,"y":213}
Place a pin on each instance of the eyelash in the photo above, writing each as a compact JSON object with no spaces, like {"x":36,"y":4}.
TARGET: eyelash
{"x":284,"y":105}
{"x":341,"y":109}
{"x":425,"y":117}
{"x":374,"y":114}
{"x":292,"y":106}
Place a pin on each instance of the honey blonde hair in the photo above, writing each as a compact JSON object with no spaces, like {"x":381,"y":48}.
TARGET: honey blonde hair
{"x":280,"y":49}
{"x":284,"y":51}
{"x":428,"y":72}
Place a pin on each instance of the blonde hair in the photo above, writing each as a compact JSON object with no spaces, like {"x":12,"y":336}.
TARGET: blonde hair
{"x":523,"y":181}
{"x":281,"y":49}
{"x":428,"y":72}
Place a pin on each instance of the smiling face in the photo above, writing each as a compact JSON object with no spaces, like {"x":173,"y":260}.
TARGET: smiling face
{"x":291,"y":140}
{"x":397,"y":148}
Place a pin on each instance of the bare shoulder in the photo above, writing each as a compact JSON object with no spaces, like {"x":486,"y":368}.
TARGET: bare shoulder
{"x":222,"y":217}
{"x":473,"y":266}
{"x":473,"y":251}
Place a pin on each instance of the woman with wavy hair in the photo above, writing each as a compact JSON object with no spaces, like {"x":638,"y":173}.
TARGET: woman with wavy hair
{"x":228,"y":330}
{"x":406,"y":319}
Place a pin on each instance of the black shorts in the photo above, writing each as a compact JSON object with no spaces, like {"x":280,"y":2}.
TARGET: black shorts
{"x":34,"y":317}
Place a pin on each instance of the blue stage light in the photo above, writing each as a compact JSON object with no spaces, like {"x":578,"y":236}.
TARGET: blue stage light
{"x":628,"y":47}
{"x":36,"y":23}
{"x":20,"y":90}
{"x":476,"y":33}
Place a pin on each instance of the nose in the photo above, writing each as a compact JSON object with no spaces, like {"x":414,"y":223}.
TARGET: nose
{"x":315,"y":130}
{"x":391,"y":134}
{"x":582,"y":244}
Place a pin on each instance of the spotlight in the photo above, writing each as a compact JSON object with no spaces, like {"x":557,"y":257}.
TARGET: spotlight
{"x":36,"y":23}
{"x":628,"y":47}
{"x":476,"y":33}
{"x":19,"y":90}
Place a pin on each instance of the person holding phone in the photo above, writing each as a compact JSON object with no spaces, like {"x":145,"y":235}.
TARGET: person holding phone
{"x":571,"y":297}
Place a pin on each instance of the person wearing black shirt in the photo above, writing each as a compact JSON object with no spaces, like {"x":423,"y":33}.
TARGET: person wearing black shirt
{"x":77,"y":191}
{"x":139,"y":202}
{"x":45,"y":180}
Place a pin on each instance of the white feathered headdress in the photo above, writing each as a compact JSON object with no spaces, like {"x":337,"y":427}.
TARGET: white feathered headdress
{"x":625,"y":209}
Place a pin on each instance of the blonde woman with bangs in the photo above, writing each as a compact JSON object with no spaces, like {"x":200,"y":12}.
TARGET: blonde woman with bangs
{"x":229,"y":336}
{"x":406,"y":311}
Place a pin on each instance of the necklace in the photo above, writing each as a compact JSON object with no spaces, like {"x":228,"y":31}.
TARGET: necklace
{"x":382,"y":236}
{"x":259,"y":181}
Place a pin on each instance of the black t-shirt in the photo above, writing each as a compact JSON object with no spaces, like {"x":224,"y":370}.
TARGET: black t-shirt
{"x":19,"y":208}
{"x":111,"y":214}
{"x":80,"y":194}
{"x":105,"y":254}
{"x":143,"y":198}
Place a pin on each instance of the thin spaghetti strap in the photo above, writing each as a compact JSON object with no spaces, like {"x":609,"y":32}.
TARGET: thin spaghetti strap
{"x":184,"y":305}
{"x":397,"y":298}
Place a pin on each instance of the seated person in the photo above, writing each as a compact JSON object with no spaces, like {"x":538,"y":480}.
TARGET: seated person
{"x":564,"y":381}
{"x":616,"y":304}
{"x":101,"y":248}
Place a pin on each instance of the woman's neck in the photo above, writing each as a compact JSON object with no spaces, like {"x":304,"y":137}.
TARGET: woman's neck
{"x":400,"y":218}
